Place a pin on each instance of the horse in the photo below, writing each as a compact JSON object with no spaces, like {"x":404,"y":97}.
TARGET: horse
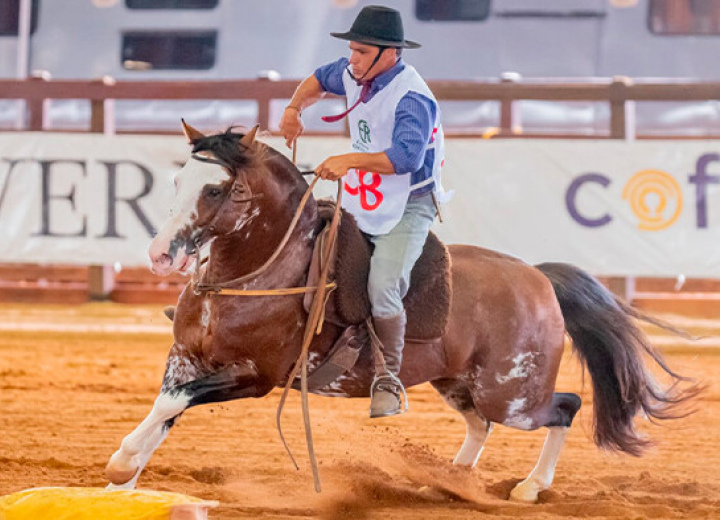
{"x":496,"y":362}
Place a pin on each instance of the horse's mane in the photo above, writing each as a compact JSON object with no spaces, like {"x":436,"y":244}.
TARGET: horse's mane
{"x":226,"y":147}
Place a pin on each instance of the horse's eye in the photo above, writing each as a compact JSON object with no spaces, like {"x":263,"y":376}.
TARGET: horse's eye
{"x":213,"y":193}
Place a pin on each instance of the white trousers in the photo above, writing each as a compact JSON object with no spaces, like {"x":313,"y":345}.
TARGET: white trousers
{"x":395,"y":255}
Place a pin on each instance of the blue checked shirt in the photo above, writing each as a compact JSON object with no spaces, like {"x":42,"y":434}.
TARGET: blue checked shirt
{"x":414,"y":118}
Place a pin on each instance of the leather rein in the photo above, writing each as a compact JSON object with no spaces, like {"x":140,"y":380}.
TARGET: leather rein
{"x":313,"y":325}
{"x":242,"y":189}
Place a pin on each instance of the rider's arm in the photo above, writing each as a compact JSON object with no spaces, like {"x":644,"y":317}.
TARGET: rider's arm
{"x":307,"y":94}
{"x":327,"y":78}
{"x":337,"y":166}
{"x":414,"y":120}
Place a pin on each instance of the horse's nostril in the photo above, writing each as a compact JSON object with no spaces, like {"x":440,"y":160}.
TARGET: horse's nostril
{"x":163,"y":259}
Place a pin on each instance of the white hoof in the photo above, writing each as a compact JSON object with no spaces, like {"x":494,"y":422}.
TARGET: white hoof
{"x":123,"y":487}
{"x":526,"y":491}
{"x":465,"y":461}
{"x":120,"y":469}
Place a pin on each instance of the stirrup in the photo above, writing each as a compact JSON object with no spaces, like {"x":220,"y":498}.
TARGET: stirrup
{"x":388,"y":378}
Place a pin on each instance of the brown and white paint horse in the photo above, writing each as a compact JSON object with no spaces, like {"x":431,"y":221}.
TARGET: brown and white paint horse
{"x":496,"y":363}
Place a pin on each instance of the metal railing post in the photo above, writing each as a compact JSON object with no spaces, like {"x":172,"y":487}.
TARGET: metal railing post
{"x":101,"y":278}
{"x":622,"y":111}
{"x":509,"y":112}
{"x":622,"y":126}
{"x":35,"y":109}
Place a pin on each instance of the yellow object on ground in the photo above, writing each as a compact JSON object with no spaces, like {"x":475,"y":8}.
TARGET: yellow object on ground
{"x":55,"y":503}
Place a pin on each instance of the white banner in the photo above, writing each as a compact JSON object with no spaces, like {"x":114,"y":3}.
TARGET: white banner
{"x":648,"y":208}
{"x":84,"y":199}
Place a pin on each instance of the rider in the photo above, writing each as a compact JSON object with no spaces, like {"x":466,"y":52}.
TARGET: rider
{"x":393,"y":173}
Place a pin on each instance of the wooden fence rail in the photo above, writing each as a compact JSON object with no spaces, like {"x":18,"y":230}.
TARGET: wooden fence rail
{"x":619,"y":93}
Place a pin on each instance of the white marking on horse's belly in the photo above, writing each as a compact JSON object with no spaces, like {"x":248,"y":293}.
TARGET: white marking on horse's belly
{"x":515,"y":418}
{"x":523,"y":366}
{"x":205,"y":317}
{"x":473,"y":380}
{"x":479,"y":313}
{"x":314,"y":360}
{"x":251,"y":366}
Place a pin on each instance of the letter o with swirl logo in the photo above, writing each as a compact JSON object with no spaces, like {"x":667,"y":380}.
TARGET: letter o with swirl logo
{"x":655,"y":198}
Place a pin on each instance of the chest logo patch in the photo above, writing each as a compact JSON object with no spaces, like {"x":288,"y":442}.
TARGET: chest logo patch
{"x":364,"y":131}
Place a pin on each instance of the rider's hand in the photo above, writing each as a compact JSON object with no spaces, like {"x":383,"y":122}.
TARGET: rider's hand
{"x":332,"y":168}
{"x":290,"y":125}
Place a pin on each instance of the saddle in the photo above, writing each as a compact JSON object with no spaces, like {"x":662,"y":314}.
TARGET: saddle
{"x":427,"y":302}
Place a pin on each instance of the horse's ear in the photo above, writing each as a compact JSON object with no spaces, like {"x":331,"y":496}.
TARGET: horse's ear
{"x":248,"y":138}
{"x":191,"y":133}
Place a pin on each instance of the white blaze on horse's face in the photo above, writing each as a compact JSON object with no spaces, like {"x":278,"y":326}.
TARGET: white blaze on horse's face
{"x":169,"y":249}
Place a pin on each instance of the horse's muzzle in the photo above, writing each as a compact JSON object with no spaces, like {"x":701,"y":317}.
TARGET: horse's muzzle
{"x":161,"y":263}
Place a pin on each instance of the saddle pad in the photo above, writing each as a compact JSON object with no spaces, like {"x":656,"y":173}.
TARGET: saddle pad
{"x":427,"y":302}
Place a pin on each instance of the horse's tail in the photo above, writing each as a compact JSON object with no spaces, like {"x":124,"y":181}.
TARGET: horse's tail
{"x":611,"y":345}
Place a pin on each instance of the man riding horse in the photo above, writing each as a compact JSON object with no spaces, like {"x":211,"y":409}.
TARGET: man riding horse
{"x":392,"y":175}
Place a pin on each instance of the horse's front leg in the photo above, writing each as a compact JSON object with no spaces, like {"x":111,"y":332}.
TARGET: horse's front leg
{"x":232,"y":382}
{"x":126,"y":464}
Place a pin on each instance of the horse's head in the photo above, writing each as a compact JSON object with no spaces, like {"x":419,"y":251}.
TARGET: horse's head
{"x":217,"y":194}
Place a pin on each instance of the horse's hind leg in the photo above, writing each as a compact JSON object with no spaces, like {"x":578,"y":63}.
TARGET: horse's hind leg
{"x":562,"y":411}
{"x":458,"y":396}
{"x":477,"y":431}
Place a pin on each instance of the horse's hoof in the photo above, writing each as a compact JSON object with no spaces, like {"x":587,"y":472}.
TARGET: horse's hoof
{"x":117,"y":475}
{"x":123,"y":487}
{"x":524,"y":493}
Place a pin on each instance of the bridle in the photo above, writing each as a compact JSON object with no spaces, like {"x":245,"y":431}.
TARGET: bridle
{"x":240,"y":193}
{"x":316,"y":314}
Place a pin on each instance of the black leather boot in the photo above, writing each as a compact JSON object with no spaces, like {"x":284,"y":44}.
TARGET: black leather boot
{"x":386,"y":388}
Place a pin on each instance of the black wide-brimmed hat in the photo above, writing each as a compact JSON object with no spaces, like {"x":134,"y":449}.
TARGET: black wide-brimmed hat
{"x":378,"y":25}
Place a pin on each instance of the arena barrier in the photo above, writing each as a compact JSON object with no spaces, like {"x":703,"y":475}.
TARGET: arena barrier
{"x":111,"y":281}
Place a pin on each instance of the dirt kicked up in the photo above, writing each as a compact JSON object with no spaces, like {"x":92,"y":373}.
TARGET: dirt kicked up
{"x":75,"y":380}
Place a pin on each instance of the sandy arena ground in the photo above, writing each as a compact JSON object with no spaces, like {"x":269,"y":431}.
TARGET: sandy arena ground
{"x":75,"y":380}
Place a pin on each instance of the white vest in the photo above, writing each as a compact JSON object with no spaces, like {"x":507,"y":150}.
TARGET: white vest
{"x":378,"y":201}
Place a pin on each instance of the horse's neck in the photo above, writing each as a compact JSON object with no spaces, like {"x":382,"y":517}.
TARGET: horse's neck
{"x":247,"y":249}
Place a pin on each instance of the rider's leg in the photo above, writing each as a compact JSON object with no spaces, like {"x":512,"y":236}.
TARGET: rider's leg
{"x":393,"y":258}
{"x":387,"y":387}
